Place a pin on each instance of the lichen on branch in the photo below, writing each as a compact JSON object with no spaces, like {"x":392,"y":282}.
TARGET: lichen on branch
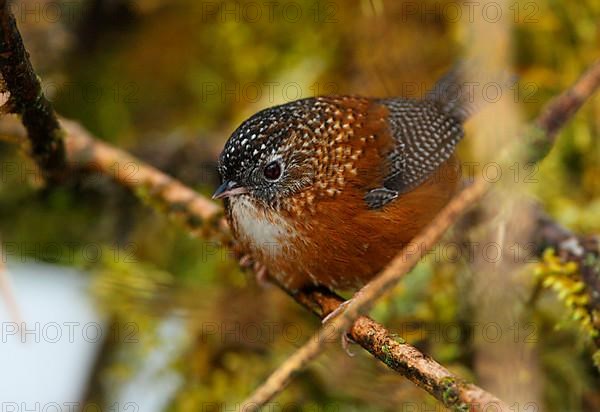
{"x":26,"y":99}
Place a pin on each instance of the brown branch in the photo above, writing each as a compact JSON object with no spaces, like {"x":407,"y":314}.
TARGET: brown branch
{"x":27,"y":100}
{"x":201,"y":216}
{"x":563,"y":107}
{"x":398,"y":355}
{"x":560,"y":110}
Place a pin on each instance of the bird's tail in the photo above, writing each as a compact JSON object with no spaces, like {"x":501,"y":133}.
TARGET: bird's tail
{"x":464,"y":90}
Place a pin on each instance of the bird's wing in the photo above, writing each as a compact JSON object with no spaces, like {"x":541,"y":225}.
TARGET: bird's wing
{"x":425,"y":137}
{"x":427,"y":131}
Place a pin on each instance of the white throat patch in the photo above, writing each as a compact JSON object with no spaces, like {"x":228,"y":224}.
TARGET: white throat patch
{"x":264,"y":230}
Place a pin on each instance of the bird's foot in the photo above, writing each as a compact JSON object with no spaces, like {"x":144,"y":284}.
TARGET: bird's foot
{"x":262,"y":275}
{"x":346,"y":345}
{"x":342,"y":306}
{"x":245,"y":261}
{"x":346,"y":340}
{"x":337,"y":311}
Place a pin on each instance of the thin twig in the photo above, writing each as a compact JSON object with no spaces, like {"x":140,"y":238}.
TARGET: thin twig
{"x":563,"y":107}
{"x":560,"y":110}
{"x":200,"y":215}
{"x":7,"y":292}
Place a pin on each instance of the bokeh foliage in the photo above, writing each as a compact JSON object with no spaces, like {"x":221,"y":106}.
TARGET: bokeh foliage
{"x":170,"y":80}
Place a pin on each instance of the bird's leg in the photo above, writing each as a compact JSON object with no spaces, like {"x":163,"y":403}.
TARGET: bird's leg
{"x":262,"y":275}
{"x":337,"y":311}
{"x":245,"y":261}
{"x":346,"y":345}
{"x":344,"y":338}
{"x":260,"y":270}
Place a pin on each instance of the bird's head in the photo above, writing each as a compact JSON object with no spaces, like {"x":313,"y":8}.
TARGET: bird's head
{"x":270,"y":157}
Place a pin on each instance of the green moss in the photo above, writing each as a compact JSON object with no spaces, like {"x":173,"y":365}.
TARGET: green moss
{"x":565,"y":280}
{"x":388,"y":358}
{"x":397,"y":338}
{"x":450,"y":396}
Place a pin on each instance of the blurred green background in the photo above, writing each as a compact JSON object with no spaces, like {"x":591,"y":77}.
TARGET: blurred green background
{"x":170,"y":80}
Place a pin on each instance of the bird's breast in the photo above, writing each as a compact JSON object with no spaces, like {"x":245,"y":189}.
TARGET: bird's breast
{"x":263,"y":232}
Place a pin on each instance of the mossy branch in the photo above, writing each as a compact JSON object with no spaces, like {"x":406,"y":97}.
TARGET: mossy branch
{"x":27,"y":100}
{"x":558,"y":244}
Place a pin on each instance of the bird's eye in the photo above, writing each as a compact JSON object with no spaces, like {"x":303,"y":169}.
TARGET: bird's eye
{"x":272,"y":171}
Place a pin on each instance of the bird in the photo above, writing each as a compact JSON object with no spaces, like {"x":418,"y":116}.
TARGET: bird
{"x":325,"y":191}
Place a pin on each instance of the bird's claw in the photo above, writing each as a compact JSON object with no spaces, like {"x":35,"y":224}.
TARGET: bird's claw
{"x":262,"y":276}
{"x":245,"y":261}
{"x":346,"y":345}
{"x":344,"y":338}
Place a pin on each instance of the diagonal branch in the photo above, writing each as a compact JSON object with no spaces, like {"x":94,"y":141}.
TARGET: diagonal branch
{"x":562,"y":108}
{"x":559,"y":111}
{"x":199,"y":215}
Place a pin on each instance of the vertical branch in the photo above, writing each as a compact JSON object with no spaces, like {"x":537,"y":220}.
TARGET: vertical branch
{"x":27,"y":99}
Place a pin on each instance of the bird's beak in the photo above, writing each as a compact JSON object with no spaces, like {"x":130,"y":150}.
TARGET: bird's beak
{"x":227,"y":189}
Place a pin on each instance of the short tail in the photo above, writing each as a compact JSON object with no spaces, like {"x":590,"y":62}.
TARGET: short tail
{"x":464,"y":89}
